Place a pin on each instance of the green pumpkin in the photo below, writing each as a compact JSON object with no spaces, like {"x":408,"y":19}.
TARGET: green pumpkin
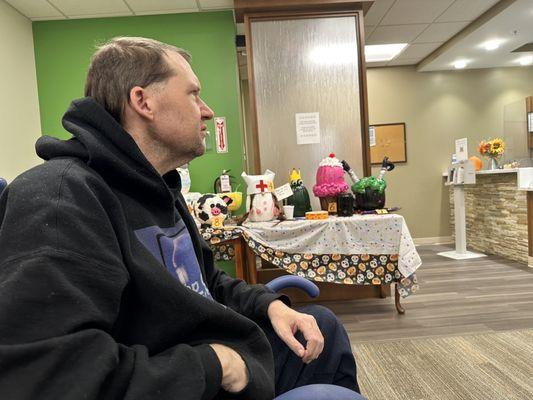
{"x":300,"y":198}
{"x":374,"y":184}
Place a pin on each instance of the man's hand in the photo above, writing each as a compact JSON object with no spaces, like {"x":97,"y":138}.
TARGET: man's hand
{"x":234,"y":371}
{"x":286,"y":322}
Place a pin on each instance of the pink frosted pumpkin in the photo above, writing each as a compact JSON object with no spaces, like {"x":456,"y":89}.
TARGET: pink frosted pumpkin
{"x":330,"y":178}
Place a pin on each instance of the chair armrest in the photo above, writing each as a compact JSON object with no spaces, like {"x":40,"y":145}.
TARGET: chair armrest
{"x":289,"y":281}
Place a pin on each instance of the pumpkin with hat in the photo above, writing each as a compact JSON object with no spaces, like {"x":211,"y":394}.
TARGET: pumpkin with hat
{"x":261,"y":202}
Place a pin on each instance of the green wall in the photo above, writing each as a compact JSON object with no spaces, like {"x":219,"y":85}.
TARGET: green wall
{"x":63,"y":50}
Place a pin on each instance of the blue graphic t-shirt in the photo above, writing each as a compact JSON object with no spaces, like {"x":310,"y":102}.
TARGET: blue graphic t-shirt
{"x":174,"y":249}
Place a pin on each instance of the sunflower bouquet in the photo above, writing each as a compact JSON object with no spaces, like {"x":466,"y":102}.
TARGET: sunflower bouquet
{"x":493,"y":148}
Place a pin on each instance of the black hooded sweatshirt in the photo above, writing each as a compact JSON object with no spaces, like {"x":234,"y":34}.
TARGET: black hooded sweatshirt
{"x":91,"y":306}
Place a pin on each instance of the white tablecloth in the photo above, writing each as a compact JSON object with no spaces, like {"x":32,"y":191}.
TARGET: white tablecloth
{"x":359,"y":234}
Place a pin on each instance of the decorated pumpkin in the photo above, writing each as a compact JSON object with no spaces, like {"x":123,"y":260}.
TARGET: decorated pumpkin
{"x":261,"y":203}
{"x":212,"y":210}
{"x":476,"y":161}
{"x":300,"y":198}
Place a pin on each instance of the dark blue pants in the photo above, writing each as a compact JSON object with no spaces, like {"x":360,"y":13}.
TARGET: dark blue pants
{"x":336,"y":364}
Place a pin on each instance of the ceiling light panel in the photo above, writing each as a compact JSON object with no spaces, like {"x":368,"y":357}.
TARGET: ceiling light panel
{"x":383,"y":52}
{"x":491,"y":45}
{"x":460,"y":64}
{"x":526,"y":60}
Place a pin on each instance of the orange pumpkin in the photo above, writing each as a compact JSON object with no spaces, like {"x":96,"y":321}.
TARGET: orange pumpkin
{"x":477,"y":162}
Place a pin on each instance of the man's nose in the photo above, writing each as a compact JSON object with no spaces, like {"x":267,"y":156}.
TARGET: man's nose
{"x":207,"y":113}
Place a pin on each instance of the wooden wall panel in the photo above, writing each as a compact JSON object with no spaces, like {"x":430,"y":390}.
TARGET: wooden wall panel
{"x":254,"y":6}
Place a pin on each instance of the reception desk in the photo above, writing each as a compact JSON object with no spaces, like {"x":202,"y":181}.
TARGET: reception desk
{"x":496,"y":215}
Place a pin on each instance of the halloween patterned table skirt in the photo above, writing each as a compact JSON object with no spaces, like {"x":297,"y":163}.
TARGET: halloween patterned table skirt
{"x":349,"y":269}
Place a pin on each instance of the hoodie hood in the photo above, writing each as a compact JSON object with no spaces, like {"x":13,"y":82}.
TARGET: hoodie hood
{"x":103,"y":144}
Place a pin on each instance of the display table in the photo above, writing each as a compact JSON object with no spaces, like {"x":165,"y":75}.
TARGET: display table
{"x":357,"y":250}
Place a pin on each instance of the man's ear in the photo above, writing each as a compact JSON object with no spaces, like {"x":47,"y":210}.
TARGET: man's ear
{"x":140,"y":101}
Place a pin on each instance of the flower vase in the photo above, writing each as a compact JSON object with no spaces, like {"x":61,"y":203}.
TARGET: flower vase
{"x":493,"y":163}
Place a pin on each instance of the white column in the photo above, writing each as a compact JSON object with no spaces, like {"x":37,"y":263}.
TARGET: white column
{"x":460,"y":218}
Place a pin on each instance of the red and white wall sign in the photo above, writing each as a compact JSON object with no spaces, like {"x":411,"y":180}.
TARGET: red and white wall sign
{"x":221,"y":135}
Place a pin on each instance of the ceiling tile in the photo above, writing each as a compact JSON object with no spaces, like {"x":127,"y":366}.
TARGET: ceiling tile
{"x":512,"y":24}
{"x":407,"y":61}
{"x":466,"y":10}
{"x":84,"y":8}
{"x":415,"y":11}
{"x":440,"y":32}
{"x":216,"y":4}
{"x":378,"y":9}
{"x":35,"y":8}
{"x":419,"y":50}
{"x":368,"y":31}
{"x":154,"y":6}
{"x":396,"y":34}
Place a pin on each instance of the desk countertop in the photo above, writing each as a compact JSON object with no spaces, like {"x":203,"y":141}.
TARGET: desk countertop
{"x":491,"y":171}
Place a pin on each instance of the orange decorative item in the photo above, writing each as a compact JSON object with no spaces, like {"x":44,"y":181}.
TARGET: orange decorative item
{"x":477,"y":162}
{"x":312,"y":215}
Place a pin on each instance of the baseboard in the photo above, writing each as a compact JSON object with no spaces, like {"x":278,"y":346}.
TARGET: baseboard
{"x":433,"y":240}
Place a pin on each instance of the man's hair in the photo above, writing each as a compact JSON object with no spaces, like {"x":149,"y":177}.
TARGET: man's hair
{"x":123,"y":63}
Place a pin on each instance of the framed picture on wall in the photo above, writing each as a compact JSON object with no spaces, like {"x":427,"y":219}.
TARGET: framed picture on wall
{"x":388,"y":140}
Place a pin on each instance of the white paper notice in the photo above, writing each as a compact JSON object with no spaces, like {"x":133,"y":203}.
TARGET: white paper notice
{"x":372,"y":135}
{"x":461,"y":149}
{"x":283,"y":192}
{"x":307,"y":128}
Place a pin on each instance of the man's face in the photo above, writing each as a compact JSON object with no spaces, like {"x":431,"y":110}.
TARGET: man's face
{"x":179,"y":112}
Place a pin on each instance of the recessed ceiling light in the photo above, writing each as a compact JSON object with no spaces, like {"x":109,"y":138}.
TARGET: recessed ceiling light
{"x":460,"y":64}
{"x":526,"y":60}
{"x":383,"y":52}
{"x":490,"y":45}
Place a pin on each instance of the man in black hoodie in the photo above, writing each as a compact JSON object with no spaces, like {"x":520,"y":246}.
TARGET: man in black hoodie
{"x":107,"y":291}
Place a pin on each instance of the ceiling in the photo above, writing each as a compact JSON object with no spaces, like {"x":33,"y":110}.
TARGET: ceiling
{"x":512,"y":26}
{"x":438,"y":32}
{"x":39,"y":10}
{"x":424,"y":24}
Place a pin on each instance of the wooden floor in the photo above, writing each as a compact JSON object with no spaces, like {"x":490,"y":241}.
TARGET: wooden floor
{"x":489,"y":294}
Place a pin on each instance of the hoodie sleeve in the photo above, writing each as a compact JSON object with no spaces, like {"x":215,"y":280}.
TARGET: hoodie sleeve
{"x":249,"y":300}
{"x":61,"y":284}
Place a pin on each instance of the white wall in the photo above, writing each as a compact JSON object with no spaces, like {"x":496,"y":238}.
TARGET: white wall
{"x":19,"y":108}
